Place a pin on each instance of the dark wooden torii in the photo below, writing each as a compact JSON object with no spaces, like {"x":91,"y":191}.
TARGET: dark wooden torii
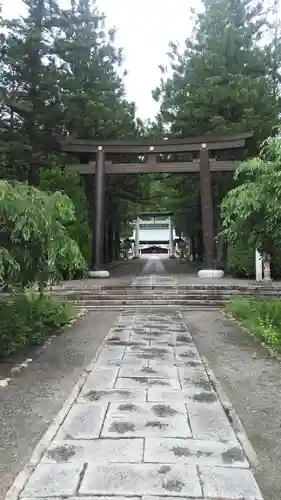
{"x":151,"y":151}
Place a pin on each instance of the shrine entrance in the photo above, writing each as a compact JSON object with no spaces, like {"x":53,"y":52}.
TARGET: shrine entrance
{"x":151,"y":159}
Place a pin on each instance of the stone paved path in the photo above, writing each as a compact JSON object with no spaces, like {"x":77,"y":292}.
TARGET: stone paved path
{"x":153,"y":274}
{"x":147,"y":423}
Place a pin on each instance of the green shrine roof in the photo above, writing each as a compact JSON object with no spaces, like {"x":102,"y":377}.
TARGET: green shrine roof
{"x":155,"y":214}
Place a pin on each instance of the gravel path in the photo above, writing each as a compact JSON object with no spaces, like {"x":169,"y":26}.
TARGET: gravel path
{"x":31,"y":401}
{"x":252,"y":380}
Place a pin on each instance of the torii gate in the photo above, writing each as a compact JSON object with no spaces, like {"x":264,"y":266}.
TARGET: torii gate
{"x":151,"y":151}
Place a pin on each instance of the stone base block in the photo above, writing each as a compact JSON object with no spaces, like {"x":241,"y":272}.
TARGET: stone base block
{"x":98,"y":274}
{"x":210,"y":273}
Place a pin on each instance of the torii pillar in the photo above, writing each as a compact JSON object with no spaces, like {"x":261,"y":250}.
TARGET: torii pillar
{"x":99,"y":271}
{"x":207,"y":211}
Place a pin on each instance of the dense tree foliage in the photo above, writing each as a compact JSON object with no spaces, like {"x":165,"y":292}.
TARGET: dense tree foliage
{"x":225,"y":81}
{"x":35,"y":244}
{"x":61,"y":73}
{"x":59,"y":179}
{"x":251,"y":212}
{"x":220,"y":82}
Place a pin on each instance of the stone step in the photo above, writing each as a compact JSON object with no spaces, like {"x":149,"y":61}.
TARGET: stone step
{"x":165,"y":290}
{"x":198,"y":296}
{"x":190,"y":307}
{"x":178,"y":299}
{"x":91,"y":285}
{"x":152,"y":302}
{"x":127,"y":298}
{"x":179,"y":294}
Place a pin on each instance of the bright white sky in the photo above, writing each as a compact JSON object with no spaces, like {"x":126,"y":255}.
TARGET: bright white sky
{"x":145,"y":28}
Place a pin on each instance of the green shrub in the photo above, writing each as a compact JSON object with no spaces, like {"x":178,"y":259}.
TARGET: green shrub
{"x":29,"y":319}
{"x":261,"y":317}
{"x":241,"y":260}
{"x":61,"y":179}
{"x":35,"y":242}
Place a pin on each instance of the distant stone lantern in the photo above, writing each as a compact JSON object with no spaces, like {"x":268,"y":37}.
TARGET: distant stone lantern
{"x":181,"y":246}
{"x":181,"y":243}
{"x":127,"y":245}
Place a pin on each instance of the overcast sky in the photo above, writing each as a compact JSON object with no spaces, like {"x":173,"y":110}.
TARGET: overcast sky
{"x":145,"y":28}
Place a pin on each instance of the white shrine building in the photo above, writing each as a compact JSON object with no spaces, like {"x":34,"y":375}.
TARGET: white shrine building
{"x":154,"y":233}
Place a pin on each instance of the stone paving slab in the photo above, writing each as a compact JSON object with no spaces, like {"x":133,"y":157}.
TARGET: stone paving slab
{"x":54,"y":480}
{"x":157,"y":351}
{"x":132,"y":361}
{"x":139,"y":330}
{"x":187,"y":353}
{"x":146,"y":497}
{"x":102,"y":378}
{"x":146,"y":382}
{"x":141,"y":479}
{"x":91,"y":498}
{"x":129,"y":343}
{"x":194,"y":451}
{"x":229,"y":484}
{"x":151,"y":354}
{"x":153,"y":338}
{"x":108,"y":395}
{"x":160,"y":329}
{"x":190,"y":363}
{"x":194,"y":379}
{"x":174,"y":339}
{"x":178,"y":327}
{"x":161,"y":372}
{"x":186,"y":395}
{"x":109,"y":353}
{"x":84,"y":421}
{"x":147,"y":425}
{"x":183,"y":363}
{"x":210,"y":422}
{"x":121,"y":327}
{"x":146,"y":420}
{"x":96,"y":450}
{"x":119,"y":334}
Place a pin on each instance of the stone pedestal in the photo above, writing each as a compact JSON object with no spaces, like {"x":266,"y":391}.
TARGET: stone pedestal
{"x":210,"y":273}
{"x":267,"y":271}
{"x":99,"y":274}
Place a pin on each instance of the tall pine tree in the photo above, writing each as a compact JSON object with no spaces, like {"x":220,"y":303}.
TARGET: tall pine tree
{"x":220,"y":82}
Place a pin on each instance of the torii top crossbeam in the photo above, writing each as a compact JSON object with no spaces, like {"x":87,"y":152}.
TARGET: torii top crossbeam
{"x":146,"y":146}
